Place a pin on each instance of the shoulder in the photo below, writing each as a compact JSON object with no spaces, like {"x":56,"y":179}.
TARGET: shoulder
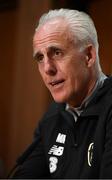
{"x":50,"y":118}
{"x":53,"y":110}
{"x":105,"y":92}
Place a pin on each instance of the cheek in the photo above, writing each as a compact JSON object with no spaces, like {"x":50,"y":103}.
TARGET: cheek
{"x":76,"y":75}
{"x":40,"y":68}
{"x":41,"y":73}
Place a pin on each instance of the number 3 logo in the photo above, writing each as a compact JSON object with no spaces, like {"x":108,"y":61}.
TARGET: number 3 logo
{"x":53,"y":164}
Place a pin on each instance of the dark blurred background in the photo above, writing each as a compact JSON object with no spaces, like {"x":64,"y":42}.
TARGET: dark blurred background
{"x":23,"y":97}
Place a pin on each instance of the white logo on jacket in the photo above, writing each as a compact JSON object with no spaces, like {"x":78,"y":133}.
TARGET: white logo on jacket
{"x":56,"y":150}
{"x":90,"y":153}
{"x":61,"y":138}
{"x":53,"y":164}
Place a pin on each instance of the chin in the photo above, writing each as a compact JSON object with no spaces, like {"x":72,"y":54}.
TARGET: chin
{"x":60,"y":99}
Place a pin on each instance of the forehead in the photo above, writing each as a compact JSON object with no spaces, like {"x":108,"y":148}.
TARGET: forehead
{"x":51,"y":32}
{"x":52,"y":26}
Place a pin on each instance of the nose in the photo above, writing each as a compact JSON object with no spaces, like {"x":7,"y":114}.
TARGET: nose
{"x":50,"y":67}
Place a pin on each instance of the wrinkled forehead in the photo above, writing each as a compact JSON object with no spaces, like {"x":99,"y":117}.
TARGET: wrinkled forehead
{"x":52,"y":34}
{"x":52,"y":26}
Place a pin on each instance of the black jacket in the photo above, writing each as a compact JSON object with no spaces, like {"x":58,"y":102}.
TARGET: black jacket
{"x":65,"y":149}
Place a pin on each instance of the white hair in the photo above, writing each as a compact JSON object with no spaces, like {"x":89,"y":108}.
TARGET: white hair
{"x":79,"y":23}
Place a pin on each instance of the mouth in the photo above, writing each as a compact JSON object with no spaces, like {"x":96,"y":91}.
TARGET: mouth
{"x":56,"y":82}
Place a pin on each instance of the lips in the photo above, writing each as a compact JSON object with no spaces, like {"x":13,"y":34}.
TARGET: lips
{"x":56,"y":82}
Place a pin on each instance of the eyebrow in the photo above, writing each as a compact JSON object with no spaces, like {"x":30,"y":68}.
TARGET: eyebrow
{"x":53,"y":47}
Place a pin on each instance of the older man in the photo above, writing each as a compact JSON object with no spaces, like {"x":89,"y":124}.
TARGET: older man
{"x":74,"y":138}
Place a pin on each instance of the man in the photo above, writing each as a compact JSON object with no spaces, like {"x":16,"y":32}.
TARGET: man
{"x":74,"y":138}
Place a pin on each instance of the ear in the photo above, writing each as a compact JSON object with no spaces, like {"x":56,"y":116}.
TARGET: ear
{"x":90,"y":53}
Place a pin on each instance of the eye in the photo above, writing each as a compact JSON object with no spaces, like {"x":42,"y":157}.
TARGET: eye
{"x":39,"y":57}
{"x":58,"y":52}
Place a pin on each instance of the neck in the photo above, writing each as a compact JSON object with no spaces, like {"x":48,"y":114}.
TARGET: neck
{"x":93,"y":86}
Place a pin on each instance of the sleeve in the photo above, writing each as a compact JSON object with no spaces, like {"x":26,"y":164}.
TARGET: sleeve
{"x":33,"y":163}
{"x":106,"y":164}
